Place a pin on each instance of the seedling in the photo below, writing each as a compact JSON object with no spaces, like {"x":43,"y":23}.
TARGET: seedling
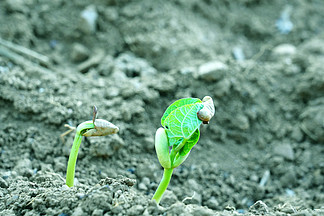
{"x":96,"y":127}
{"x":180,"y":132}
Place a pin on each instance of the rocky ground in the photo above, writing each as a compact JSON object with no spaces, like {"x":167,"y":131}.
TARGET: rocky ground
{"x":262,"y":153}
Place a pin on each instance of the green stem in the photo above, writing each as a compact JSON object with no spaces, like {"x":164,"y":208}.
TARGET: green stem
{"x":74,"y":151}
{"x":163,"y":185}
{"x":72,"y":160}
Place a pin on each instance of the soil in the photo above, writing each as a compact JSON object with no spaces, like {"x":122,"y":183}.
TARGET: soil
{"x":261,"y":62}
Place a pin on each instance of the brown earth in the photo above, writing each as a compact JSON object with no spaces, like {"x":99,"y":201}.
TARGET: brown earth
{"x":261,"y":61}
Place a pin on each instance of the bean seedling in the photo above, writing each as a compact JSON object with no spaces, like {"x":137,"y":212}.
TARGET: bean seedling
{"x":180,"y":132}
{"x":96,"y":127}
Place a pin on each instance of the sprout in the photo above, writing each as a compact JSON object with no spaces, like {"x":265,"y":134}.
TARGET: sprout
{"x":96,"y":127}
{"x":180,"y":132}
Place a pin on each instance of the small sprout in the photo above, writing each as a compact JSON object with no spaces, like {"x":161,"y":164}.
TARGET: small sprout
{"x":180,"y":132}
{"x":96,"y":127}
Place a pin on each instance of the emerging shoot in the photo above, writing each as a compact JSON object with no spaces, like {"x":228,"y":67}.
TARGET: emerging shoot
{"x":96,"y":127}
{"x":180,"y":132}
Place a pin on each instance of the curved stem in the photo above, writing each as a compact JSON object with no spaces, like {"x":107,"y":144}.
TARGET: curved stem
{"x":163,"y":185}
{"x":74,"y":151}
{"x":72,"y":160}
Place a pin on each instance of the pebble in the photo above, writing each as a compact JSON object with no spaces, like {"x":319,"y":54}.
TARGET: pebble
{"x":3,"y":183}
{"x":284,"y":50}
{"x":211,"y":71}
{"x":265,"y":178}
{"x":146,"y":181}
{"x":187,"y":70}
{"x":259,"y":207}
{"x":88,"y":19}
{"x":65,"y":187}
{"x":238,"y":54}
{"x":290,"y":192}
{"x":79,"y":52}
{"x":97,"y":212}
{"x":212,"y":203}
{"x":24,"y":167}
{"x":142,"y":186}
{"x":283,"y":24}
{"x":285,"y":150}
{"x":78,"y":212}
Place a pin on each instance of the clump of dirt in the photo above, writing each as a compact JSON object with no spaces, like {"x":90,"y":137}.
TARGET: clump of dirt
{"x":261,"y":62}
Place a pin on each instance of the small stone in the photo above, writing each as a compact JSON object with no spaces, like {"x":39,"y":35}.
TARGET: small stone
{"x":259,"y":207}
{"x":238,"y":54}
{"x":212,"y":203}
{"x":265,"y":178}
{"x":142,"y":186}
{"x":79,"y":53}
{"x":78,"y":212}
{"x":88,"y":19}
{"x":284,"y":50}
{"x":285,"y":150}
{"x":24,"y":167}
{"x":80,"y":195}
{"x":289,"y":192}
{"x":146,"y":181}
{"x":117,"y":210}
{"x":65,"y":187}
{"x":187,"y":70}
{"x":3,"y":183}
{"x":97,"y":212}
{"x":254,"y":178}
{"x":211,"y":71}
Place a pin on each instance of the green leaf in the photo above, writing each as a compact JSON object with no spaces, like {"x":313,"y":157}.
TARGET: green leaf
{"x":180,"y":119}
{"x":177,"y":104}
{"x":190,"y":143}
